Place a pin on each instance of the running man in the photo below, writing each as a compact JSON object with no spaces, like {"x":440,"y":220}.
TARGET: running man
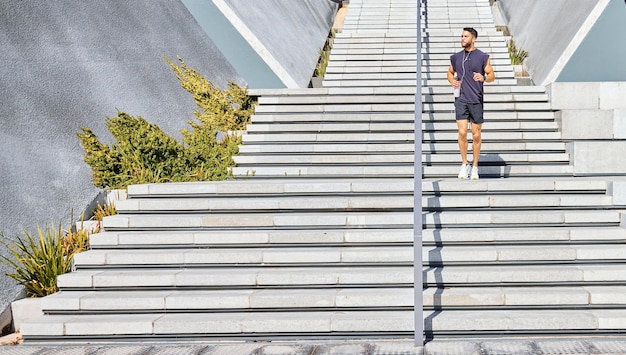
{"x":469,"y":69}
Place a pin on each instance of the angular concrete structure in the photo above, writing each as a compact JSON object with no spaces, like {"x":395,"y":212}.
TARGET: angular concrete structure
{"x":313,"y":238}
{"x":569,"y":40}
{"x":69,"y":63}
{"x":271,"y":43}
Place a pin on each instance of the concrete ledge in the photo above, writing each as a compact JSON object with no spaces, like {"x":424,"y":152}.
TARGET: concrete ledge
{"x":575,"y":124}
{"x":587,"y":95}
{"x":598,"y":102}
{"x":24,"y":310}
{"x":599,"y":157}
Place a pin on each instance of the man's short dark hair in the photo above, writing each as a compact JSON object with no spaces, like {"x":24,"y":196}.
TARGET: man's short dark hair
{"x":472,"y":31}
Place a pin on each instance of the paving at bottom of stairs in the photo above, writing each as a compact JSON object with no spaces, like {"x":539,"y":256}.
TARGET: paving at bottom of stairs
{"x":502,"y":346}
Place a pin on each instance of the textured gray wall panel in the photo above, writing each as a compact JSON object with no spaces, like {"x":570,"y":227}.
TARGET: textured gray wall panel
{"x":601,"y":56}
{"x":233,"y":45}
{"x":544,"y":29}
{"x":69,"y":63}
{"x":293,"y":31}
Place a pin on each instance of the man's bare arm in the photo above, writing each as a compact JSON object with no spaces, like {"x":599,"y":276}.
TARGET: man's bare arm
{"x":490,"y":75}
{"x":451,"y":80}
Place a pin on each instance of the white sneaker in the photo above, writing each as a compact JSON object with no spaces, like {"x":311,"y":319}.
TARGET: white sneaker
{"x":474,"y":173}
{"x":464,"y":171}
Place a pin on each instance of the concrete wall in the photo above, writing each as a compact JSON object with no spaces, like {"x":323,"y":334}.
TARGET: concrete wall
{"x":294,"y":34}
{"x":593,"y":118}
{"x":233,"y":45}
{"x":271,"y":43}
{"x":551,"y":31}
{"x":69,"y":63}
{"x":601,"y":56}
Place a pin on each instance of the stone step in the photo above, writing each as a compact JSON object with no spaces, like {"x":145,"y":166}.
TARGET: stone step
{"x":448,"y":236}
{"x":219,"y":325}
{"x":340,"y":219}
{"x":499,"y":56}
{"x":494,"y":106}
{"x":495,"y":51}
{"x":521,"y":322}
{"x":432,"y":148}
{"x":365,"y":194}
{"x":258,"y":257}
{"x":402,"y":83}
{"x":439,"y":96}
{"x":442,"y":75}
{"x":237,"y":277}
{"x":256,"y":128}
{"x":428,"y":117}
{"x":225,"y":221}
{"x":330,"y":187}
{"x":538,"y":297}
{"x":279,"y":187}
{"x":360,"y":202}
{"x":328,"y":137}
{"x":383,"y":107}
{"x":428,"y":61}
{"x":256,"y":203}
{"x":527,"y":235}
{"x":377,"y":46}
{"x":386,"y":158}
{"x":177,"y":301}
{"x":503,"y":171}
{"x":500,"y":70}
{"x":481,"y":41}
{"x":251,"y":238}
{"x":401,"y":170}
{"x":346,"y":256}
{"x":497,"y":274}
{"x":519,"y":218}
{"x":348,"y":91}
{"x":526,"y":275}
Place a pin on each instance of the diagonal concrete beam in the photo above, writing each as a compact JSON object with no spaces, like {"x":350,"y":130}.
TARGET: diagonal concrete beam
{"x":256,"y":44}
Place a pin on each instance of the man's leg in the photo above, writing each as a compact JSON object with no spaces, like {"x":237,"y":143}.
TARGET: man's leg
{"x":462,"y":115}
{"x":477,"y":126}
{"x":477,"y":141}
{"x":462,"y":127}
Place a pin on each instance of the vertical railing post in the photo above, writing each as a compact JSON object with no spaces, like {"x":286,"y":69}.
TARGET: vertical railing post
{"x":418,"y":300}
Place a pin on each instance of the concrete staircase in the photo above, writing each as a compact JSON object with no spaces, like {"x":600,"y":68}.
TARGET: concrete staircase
{"x":313,"y":239}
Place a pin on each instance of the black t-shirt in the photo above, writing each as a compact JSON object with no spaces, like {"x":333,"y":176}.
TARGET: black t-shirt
{"x":465,"y":64}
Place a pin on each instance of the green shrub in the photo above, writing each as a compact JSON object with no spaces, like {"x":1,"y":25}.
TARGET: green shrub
{"x":143,"y":153}
{"x":223,"y":110}
{"x":322,"y":63}
{"x":39,"y":259}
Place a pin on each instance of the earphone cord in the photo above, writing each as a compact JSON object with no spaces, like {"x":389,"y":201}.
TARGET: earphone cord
{"x":465,"y":59}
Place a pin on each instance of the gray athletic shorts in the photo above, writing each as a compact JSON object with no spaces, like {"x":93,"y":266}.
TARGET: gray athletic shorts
{"x":470,"y":112}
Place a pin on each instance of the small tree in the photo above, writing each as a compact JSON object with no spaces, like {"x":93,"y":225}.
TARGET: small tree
{"x":143,"y":153}
{"x":224,"y":110}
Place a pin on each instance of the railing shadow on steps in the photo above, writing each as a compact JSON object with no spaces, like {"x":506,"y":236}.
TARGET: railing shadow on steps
{"x":434,"y":254}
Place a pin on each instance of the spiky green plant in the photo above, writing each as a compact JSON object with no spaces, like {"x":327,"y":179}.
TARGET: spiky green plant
{"x":39,"y":259}
{"x":516,"y":55}
{"x":101,"y":211}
